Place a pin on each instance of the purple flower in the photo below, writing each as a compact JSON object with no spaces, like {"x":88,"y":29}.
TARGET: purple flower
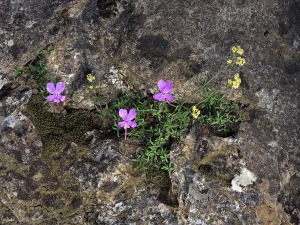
{"x":165,"y":88}
{"x":127,"y":119}
{"x":56,"y":92}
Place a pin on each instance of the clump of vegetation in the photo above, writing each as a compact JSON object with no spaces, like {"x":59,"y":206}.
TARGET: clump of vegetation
{"x":155,"y":122}
{"x":158,"y":125}
{"x":218,"y":112}
{"x":36,"y":70}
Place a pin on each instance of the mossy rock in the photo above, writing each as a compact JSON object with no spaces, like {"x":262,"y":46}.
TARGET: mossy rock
{"x":214,"y":166}
{"x":58,"y":129}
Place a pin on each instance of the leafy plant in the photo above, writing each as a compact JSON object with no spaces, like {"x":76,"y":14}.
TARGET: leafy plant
{"x":106,"y":112}
{"x":219,"y":112}
{"x":158,"y":125}
{"x":216,"y":110}
{"x":204,"y":84}
{"x":36,"y":70}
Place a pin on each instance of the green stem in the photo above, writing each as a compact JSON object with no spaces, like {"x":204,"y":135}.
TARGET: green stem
{"x":220,"y":72}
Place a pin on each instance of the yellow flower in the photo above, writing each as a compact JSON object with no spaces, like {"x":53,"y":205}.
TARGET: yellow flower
{"x":229,"y":61}
{"x":240,"y":61}
{"x":236,"y":76}
{"x":91,"y":86}
{"x":90,"y":78}
{"x":237,"y":50}
{"x":233,"y":49}
{"x":195,"y":112}
{"x":236,"y":82}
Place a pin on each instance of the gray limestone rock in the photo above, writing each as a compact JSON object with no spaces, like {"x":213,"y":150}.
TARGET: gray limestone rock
{"x":78,"y":172}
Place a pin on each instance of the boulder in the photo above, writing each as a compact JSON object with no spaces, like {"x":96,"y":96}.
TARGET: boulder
{"x":70,"y":168}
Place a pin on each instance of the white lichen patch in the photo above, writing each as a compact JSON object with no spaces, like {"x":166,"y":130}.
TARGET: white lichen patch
{"x":244,"y":179}
{"x":115,"y":77}
{"x":9,"y":43}
{"x":30,"y":23}
{"x":3,"y":81}
{"x":268,"y":100}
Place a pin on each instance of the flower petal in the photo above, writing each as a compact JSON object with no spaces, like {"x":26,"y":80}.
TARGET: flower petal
{"x":158,"y":97}
{"x":132,"y":124}
{"x":123,"y":114}
{"x":161,"y":85}
{"x":56,"y":100}
{"x":132,"y":114}
{"x":62,"y":98}
{"x":168,"y":87}
{"x":50,"y":88}
{"x":121,"y":124}
{"x":50,"y":98}
{"x":60,"y":86}
{"x":169,"y":97}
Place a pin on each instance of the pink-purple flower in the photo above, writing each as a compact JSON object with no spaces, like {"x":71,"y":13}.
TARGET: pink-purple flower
{"x":127,"y":119}
{"x":164,"y":88}
{"x":56,"y":92}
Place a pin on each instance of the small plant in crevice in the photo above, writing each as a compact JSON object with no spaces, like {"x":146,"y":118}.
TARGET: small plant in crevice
{"x":95,"y":95}
{"x":216,"y":109}
{"x":237,"y":61}
{"x":36,"y":71}
{"x":218,"y":112}
{"x":158,"y":124}
{"x":106,"y":112}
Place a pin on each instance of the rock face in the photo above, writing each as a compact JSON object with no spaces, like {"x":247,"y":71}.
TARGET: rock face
{"x":70,"y":168}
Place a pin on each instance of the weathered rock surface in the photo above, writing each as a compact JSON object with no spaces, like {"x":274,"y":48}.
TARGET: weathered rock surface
{"x":74,"y":173}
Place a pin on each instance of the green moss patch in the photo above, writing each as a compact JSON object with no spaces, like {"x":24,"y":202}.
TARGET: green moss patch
{"x":214,"y":166}
{"x":58,"y":129}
